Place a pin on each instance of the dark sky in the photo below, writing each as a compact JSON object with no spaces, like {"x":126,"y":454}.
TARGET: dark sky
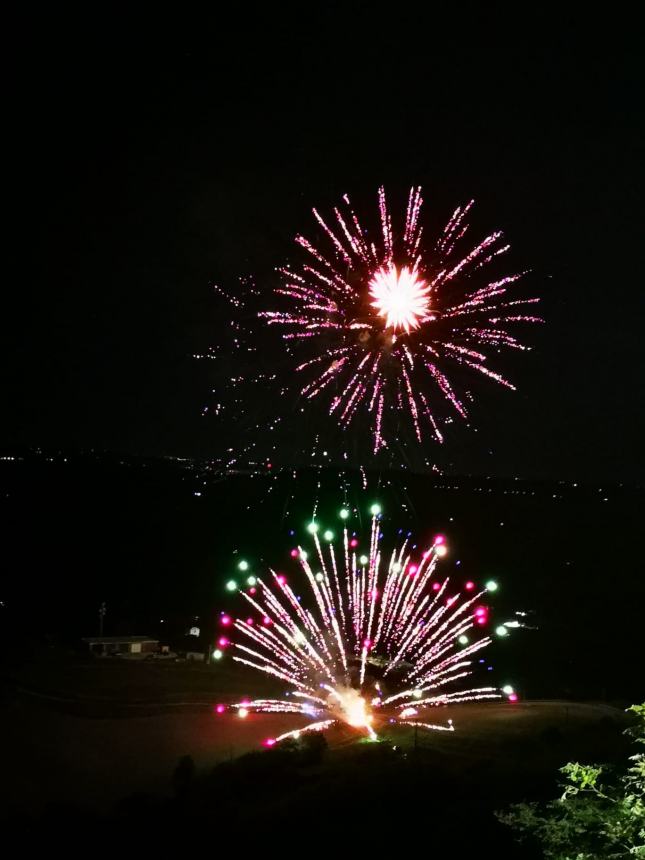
{"x":153,"y":158}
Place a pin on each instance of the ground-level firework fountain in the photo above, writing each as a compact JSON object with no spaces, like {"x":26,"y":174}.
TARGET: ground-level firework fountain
{"x":382,"y":636}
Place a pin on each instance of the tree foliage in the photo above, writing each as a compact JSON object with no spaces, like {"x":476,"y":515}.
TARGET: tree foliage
{"x":600,"y":815}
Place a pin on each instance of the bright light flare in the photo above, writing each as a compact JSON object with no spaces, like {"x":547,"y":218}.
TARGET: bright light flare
{"x":400,"y":297}
{"x":352,"y":708}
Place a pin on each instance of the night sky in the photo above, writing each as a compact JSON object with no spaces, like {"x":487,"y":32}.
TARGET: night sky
{"x":153,"y":158}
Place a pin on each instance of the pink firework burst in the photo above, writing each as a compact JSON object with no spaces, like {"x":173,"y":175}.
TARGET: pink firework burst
{"x":386,"y":322}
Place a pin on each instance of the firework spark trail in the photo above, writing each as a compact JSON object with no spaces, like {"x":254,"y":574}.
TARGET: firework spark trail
{"x":374,"y":618}
{"x":366,"y":308}
{"x":312,"y":727}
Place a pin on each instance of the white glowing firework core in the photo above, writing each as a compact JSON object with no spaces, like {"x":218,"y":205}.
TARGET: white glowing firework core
{"x":400,"y":297}
{"x":352,"y":708}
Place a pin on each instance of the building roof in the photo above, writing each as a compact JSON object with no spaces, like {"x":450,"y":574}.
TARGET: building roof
{"x":116,"y":640}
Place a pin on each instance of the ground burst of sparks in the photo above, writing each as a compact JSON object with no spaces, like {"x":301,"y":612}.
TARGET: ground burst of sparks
{"x":385,"y":321}
{"x":383,"y":636}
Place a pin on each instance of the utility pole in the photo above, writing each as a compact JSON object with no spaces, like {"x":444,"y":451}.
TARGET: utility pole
{"x":102,"y":611}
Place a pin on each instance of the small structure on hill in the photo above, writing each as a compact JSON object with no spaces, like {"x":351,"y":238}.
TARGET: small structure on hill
{"x":131,"y":647}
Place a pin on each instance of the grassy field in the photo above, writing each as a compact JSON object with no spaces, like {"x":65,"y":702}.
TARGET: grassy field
{"x":91,"y":732}
{"x":111,"y":686}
